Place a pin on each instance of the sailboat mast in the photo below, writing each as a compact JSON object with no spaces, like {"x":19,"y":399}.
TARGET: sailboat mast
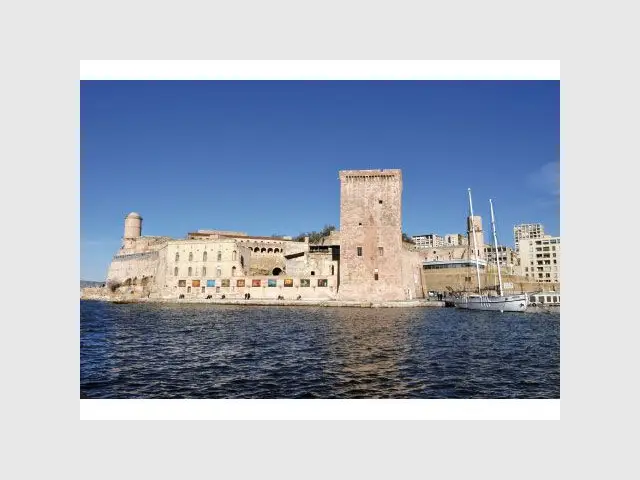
{"x":475,"y":249}
{"x":495,"y":243}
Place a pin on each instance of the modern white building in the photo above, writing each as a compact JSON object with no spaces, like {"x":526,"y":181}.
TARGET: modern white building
{"x":540,"y":259}
{"x":428,"y":240}
{"x":455,"y":239}
{"x":527,"y":230}
{"x":506,"y":255}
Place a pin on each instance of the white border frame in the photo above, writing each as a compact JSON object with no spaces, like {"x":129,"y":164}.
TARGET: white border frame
{"x":284,"y":409}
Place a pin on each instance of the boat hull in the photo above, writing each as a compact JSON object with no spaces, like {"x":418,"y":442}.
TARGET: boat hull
{"x":511,"y":303}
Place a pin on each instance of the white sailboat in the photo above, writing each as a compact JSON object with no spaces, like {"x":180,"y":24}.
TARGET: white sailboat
{"x":500,"y":302}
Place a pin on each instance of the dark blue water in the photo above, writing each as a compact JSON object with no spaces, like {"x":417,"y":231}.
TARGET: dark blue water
{"x":218,"y":351}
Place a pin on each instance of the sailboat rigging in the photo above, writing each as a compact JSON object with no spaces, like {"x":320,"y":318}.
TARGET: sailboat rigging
{"x":500,"y":302}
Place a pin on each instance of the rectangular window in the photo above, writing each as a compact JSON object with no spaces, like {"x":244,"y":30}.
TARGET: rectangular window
{"x":323,"y":282}
{"x":380,"y":251}
{"x":359,"y":251}
{"x":305,"y":282}
{"x":219,"y":256}
{"x":375,"y":276}
{"x":203,"y":288}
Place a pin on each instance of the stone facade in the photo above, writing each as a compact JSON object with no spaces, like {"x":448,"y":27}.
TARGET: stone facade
{"x":213,"y":264}
{"x":371,"y":252}
{"x":365,"y":260}
{"x":464,"y":279}
{"x":475,"y":235}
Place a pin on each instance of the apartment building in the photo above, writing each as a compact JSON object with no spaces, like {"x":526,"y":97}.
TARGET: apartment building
{"x":540,"y":259}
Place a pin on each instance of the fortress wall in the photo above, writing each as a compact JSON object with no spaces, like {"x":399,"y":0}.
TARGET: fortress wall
{"x":268,"y":287}
{"x":440,"y":279}
{"x":263,"y":263}
{"x":133,"y":267}
{"x":411,"y":275}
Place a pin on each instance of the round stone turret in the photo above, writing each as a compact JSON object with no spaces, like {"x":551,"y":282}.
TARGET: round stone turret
{"x":132,"y":225}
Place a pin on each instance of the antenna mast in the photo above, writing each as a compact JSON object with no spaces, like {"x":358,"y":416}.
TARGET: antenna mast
{"x":495,"y":243}
{"x":475,"y":248}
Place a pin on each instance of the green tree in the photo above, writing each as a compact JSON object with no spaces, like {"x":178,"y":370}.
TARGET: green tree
{"x":314,"y":236}
{"x":407,"y":238}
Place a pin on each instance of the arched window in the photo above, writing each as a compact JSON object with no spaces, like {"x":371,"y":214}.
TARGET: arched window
{"x":270,"y":250}
{"x":332,"y":269}
{"x":256,"y":249}
{"x":190,"y":271}
{"x":234,"y":255}
{"x":177,"y":256}
{"x":188,"y":289}
{"x":218,"y":272}
{"x":219,"y":255}
{"x":242,"y":261}
{"x":190,"y":256}
{"x":233,"y":272}
{"x":204,"y":271}
{"x":175,"y":272}
{"x":204,"y":256}
{"x":263,"y":250}
{"x":275,"y":250}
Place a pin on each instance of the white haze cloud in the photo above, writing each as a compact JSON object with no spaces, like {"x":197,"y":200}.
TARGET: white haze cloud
{"x":546,"y":180}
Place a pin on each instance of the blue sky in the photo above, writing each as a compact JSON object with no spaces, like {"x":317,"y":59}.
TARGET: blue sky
{"x":263,"y":156}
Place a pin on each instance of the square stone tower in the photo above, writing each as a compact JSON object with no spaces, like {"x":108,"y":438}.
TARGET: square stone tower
{"x":371,"y":235}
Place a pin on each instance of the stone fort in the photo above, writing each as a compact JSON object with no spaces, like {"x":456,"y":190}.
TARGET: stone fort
{"x":365,"y":260}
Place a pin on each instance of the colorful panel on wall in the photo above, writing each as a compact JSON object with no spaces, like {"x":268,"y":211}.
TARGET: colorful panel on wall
{"x":240,"y":283}
{"x":272,"y":282}
{"x":323,"y":282}
{"x":288,"y":282}
{"x":226,"y":282}
{"x":195,"y":283}
{"x":255,"y":282}
{"x":211,"y":283}
{"x":182,"y":283}
{"x":305,"y":282}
